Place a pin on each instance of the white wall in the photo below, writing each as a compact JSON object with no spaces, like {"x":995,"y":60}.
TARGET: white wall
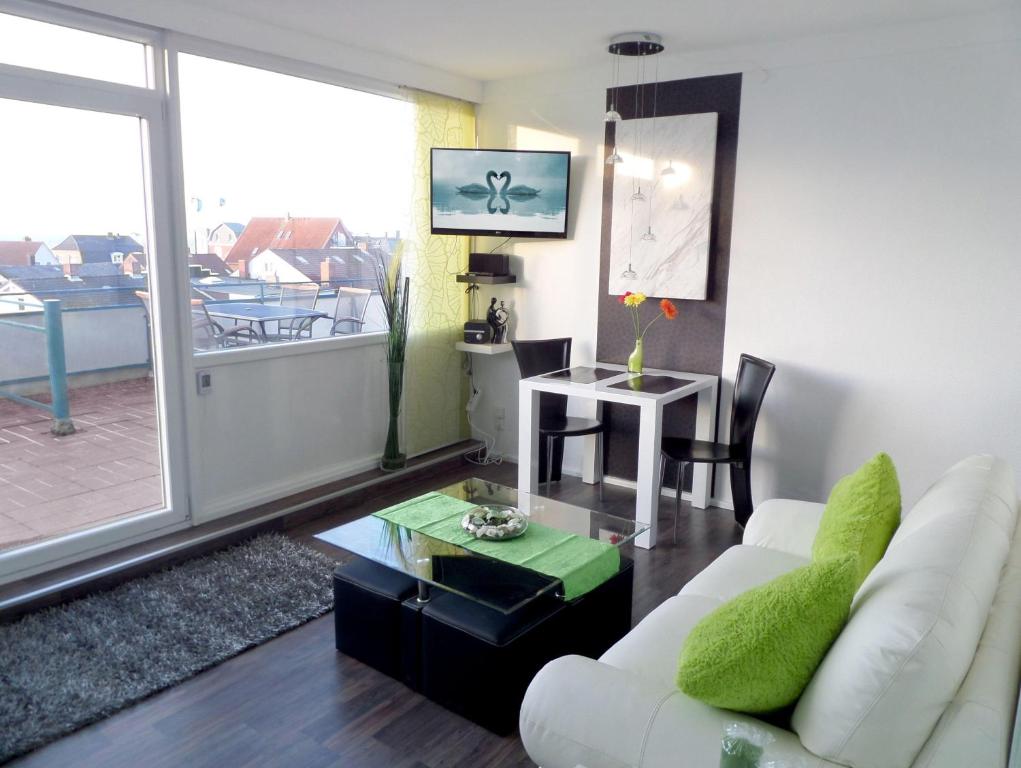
{"x":45,"y":256}
{"x":276,"y":426}
{"x":875,"y":262}
{"x":94,"y":339}
{"x":873,"y":252}
{"x":557,"y":279}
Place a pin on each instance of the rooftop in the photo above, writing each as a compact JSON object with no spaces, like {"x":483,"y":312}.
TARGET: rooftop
{"x":19,"y":252}
{"x":90,"y":285}
{"x":234,"y":226}
{"x":97,"y":248}
{"x":209,"y":261}
{"x":262,"y":233}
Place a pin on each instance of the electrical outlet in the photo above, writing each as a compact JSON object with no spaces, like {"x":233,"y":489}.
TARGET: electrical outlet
{"x":204,"y":382}
{"x":500,"y":417}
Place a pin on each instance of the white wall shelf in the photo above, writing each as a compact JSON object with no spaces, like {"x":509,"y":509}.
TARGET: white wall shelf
{"x":483,"y":349}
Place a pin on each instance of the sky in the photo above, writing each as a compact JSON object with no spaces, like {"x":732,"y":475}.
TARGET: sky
{"x":271,"y":144}
{"x":265,"y":144}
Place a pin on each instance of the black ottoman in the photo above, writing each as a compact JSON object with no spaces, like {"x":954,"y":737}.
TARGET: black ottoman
{"x":603,"y":616}
{"x":477,"y":661}
{"x":376,"y":616}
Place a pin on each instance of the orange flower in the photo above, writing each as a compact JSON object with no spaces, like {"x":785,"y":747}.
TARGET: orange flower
{"x":668,"y":308}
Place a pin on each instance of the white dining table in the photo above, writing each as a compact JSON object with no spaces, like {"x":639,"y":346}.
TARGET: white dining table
{"x":650,"y":392}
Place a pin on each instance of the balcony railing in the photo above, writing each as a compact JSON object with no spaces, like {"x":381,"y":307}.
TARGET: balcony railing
{"x":52,"y":331}
{"x":109,"y":337}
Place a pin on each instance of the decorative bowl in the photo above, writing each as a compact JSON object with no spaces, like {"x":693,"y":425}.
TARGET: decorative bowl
{"x":495,"y":522}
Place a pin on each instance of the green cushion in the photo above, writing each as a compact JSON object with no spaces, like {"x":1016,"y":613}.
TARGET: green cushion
{"x":757,"y":652}
{"x":861,"y":515}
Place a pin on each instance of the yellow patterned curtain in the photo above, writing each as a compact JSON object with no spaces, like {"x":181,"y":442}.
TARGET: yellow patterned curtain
{"x":435,"y":390}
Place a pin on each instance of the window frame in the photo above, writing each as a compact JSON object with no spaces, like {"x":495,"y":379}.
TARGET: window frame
{"x":150,"y":37}
{"x":147,"y":104}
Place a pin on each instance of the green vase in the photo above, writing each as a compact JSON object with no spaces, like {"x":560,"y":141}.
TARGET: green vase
{"x":393,"y":459}
{"x":634,"y":361}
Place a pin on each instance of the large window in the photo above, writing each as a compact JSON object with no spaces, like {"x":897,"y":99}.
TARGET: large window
{"x":88,"y":455}
{"x":293,"y":192}
{"x":296,"y":191}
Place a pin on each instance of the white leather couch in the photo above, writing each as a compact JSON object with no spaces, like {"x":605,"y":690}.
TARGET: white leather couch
{"x":925,"y":674}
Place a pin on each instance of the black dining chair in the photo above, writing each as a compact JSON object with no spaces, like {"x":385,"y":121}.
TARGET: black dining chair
{"x":753,"y":377}
{"x":544,"y":356}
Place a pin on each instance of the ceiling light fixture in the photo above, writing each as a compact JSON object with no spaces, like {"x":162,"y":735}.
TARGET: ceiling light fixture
{"x":635,"y":45}
{"x":612,"y":115}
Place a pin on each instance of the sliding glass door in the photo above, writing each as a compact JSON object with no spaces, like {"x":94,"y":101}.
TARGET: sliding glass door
{"x":90,"y":417}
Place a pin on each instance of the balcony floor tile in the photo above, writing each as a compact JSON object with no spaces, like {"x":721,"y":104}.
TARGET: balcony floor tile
{"x":109,"y":469}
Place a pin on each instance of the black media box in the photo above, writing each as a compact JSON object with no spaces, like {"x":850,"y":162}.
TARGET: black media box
{"x":477,"y":332}
{"x":488,"y":264}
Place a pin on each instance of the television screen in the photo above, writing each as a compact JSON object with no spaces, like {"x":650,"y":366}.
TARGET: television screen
{"x":500,"y":192}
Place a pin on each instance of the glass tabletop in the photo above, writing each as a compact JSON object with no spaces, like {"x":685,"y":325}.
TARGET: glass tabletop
{"x":583,"y":374}
{"x":491,"y":582}
{"x":656,"y":385}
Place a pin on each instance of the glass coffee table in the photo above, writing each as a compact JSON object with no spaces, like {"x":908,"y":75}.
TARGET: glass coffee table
{"x":486,"y":580}
{"x":459,"y":623}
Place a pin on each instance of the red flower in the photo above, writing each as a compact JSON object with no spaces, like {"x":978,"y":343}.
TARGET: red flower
{"x":668,"y":308}
{"x":620,"y":299}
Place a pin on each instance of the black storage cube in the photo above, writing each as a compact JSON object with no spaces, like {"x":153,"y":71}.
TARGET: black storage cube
{"x":370,"y":619}
{"x":603,"y":616}
{"x":478,"y":662}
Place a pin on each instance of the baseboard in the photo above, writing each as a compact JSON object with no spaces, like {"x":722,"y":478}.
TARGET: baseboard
{"x":281,"y":490}
{"x":253,"y":497}
{"x":624,"y":482}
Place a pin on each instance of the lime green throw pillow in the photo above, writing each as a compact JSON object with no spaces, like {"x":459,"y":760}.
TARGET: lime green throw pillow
{"x":861,"y":516}
{"x":758,"y":651}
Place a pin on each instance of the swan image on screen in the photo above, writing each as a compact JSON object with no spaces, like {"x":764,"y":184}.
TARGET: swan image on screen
{"x":479,"y":191}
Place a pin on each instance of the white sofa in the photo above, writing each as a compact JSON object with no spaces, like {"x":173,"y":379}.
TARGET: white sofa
{"x":925,"y":674}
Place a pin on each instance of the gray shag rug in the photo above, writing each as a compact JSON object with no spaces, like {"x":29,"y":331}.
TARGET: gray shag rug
{"x":65,"y":667}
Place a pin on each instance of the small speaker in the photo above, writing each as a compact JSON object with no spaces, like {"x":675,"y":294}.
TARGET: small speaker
{"x":489,"y":263}
{"x":477,"y":332}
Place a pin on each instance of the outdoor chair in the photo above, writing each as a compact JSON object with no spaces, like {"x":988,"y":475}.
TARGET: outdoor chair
{"x":303,"y":297}
{"x":349,"y":310}
{"x":206,"y":333}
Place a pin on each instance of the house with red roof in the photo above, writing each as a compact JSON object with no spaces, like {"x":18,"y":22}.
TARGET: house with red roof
{"x":291,"y":233}
{"x":25,"y":253}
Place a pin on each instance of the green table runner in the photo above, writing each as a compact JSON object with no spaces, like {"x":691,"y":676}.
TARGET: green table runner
{"x":582,"y":564}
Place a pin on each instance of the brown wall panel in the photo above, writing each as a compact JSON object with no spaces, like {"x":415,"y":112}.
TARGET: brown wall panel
{"x":694,"y":341}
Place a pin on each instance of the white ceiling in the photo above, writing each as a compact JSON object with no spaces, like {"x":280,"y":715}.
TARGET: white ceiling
{"x":493,"y":39}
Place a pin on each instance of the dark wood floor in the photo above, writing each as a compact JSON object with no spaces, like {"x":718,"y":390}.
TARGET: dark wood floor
{"x":296,"y":702}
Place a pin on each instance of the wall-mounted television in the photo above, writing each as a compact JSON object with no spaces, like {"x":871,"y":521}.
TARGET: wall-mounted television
{"x":500,"y":192}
